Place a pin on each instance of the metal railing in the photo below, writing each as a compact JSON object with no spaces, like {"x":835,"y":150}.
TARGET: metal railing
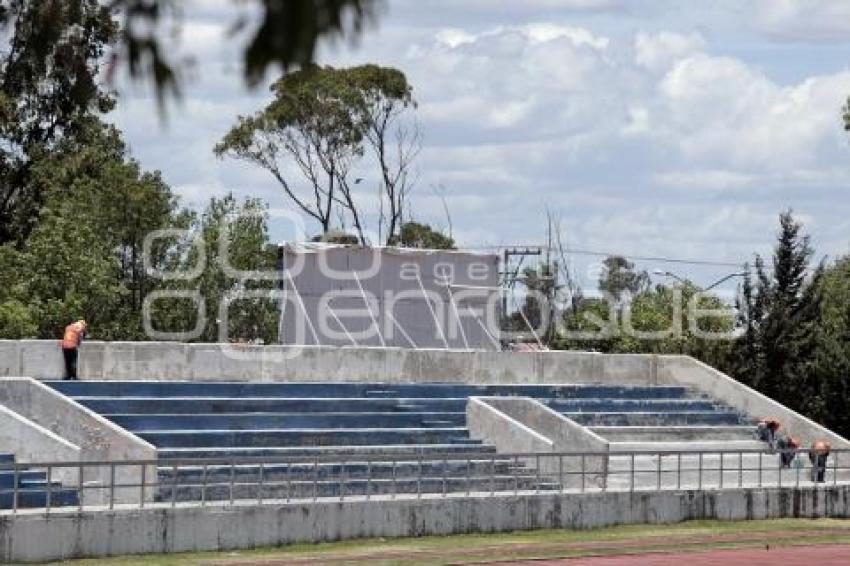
{"x":245,"y":480}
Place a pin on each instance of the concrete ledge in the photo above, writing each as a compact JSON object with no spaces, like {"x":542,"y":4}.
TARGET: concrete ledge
{"x":505,"y":416}
{"x":30,"y":442}
{"x":64,"y":535}
{"x":97,"y":438}
{"x":486,"y":422}
{"x":684,"y":370}
{"x":42,"y":359}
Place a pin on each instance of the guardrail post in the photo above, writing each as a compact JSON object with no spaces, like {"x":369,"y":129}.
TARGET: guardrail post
{"x":80,"y":487}
{"x":658,"y":482}
{"x":288,"y":481}
{"x":204,"y":484}
{"x":49,"y":487}
{"x":260,"y":487}
{"x":232,"y":479}
{"x":699,"y":472}
{"x":342,"y":481}
{"x":316,"y":479}
{"x":797,"y":468}
{"x":395,"y":486}
{"x":537,"y":481}
{"x":112,"y":485}
{"x":368,"y":479}
{"x":468,"y":475}
{"x":16,"y":478}
{"x":678,"y":470}
{"x":492,"y":475}
{"x":721,"y":470}
{"x":583,"y":472}
{"x":740,"y":469}
{"x":561,"y":471}
{"x":632,"y":472}
{"x":835,"y":468}
{"x":419,"y":475}
{"x":142,"y":486}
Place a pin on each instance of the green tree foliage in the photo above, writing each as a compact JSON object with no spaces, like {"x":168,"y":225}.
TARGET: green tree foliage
{"x":286,"y":35}
{"x":250,"y":318}
{"x":48,"y":88}
{"x":619,"y":278}
{"x":656,"y":320}
{"x":83,"y":257}
{"x":320,"y":124}
{"x":830,"y":370}
{"x":779,"y":315}
{"x":417,"y":235}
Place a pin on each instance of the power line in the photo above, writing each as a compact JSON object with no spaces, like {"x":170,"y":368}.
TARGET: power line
{"x":596,"y":253}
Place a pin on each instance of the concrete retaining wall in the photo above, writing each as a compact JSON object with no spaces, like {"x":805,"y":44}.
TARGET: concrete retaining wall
{"x":517,"y":424}
{"x":488,"y":423}
{"x":97,"y":438}
{"x":684,"y":370}
{"x":42,"y":359}
{"x":30,"y":442}
{"x":63,"y":535}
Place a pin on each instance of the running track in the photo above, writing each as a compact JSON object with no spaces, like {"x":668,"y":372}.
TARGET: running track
{"x":826,"y":555}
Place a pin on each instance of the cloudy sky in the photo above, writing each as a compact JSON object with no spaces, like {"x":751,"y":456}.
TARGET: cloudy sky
{"x":652,"y":128}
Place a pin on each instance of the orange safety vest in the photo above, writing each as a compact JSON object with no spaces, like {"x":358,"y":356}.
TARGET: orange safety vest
{"x":71,"y":338}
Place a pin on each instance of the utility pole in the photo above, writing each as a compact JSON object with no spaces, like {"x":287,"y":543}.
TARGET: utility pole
{"x":511,"y":276}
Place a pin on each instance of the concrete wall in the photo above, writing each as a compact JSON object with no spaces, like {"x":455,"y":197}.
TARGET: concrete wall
{"x":97,"y":438}
{"x":42,"y":359}
{"x":30,"y":442}
{"x":486,"y":422}
{"x":521,"y":424}
{"x":693,"y":373}
{"x":63,"y":535}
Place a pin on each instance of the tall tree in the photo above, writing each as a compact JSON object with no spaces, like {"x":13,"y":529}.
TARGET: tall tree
{"x":830,"y":372}
{"x":245,"y":225}
{"x":620,"y":279}
{"x":780,"y":311}
{"x":84,"y":256}
{"x":417,"y":235}
{"x":318,"y":127}
{"x":48,"y":85}
{"x":385,"y":96}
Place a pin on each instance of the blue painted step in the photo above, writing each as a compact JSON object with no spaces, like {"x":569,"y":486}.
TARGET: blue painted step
{"x":304,"y":437}
{"x":167,"y":455}
{"x":192,"y":405}
{"x":251,"y":421}
{"x":351,"y":389}
{"x":327,"y":471}
{"x":656,"y":419}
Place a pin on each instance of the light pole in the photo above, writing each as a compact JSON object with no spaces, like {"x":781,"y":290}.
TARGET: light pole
{"x":710,"y":287}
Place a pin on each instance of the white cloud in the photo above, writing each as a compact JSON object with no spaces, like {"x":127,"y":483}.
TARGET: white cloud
{"x":645,"y":139}
{"x":803,"y":20}
{"x":658,"y":51}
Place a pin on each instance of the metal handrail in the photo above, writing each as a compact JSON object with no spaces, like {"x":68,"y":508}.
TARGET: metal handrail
{"x":127,"y":482}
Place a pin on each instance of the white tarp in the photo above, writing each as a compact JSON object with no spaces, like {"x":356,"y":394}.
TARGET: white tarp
{"x":400,"y":297}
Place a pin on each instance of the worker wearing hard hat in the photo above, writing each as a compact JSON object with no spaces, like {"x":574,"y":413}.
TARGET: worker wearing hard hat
{"x":71,"y":339}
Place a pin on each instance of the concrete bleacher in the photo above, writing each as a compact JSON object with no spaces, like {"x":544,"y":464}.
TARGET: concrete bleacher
{"x":32,"y":487}
{"x":415,"y":422}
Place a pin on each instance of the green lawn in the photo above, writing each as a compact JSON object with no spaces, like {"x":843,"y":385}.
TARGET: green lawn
{"x":695,"y":535}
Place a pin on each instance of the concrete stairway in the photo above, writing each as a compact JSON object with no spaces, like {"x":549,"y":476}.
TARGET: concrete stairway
{"x":32,"y":488}
{"x":355,"y":421}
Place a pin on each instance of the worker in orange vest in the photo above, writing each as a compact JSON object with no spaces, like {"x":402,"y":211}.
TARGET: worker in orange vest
{"x":74,"y":333}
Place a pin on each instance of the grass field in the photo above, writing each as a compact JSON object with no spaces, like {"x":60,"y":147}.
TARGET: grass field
{"x":690,"y":536}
